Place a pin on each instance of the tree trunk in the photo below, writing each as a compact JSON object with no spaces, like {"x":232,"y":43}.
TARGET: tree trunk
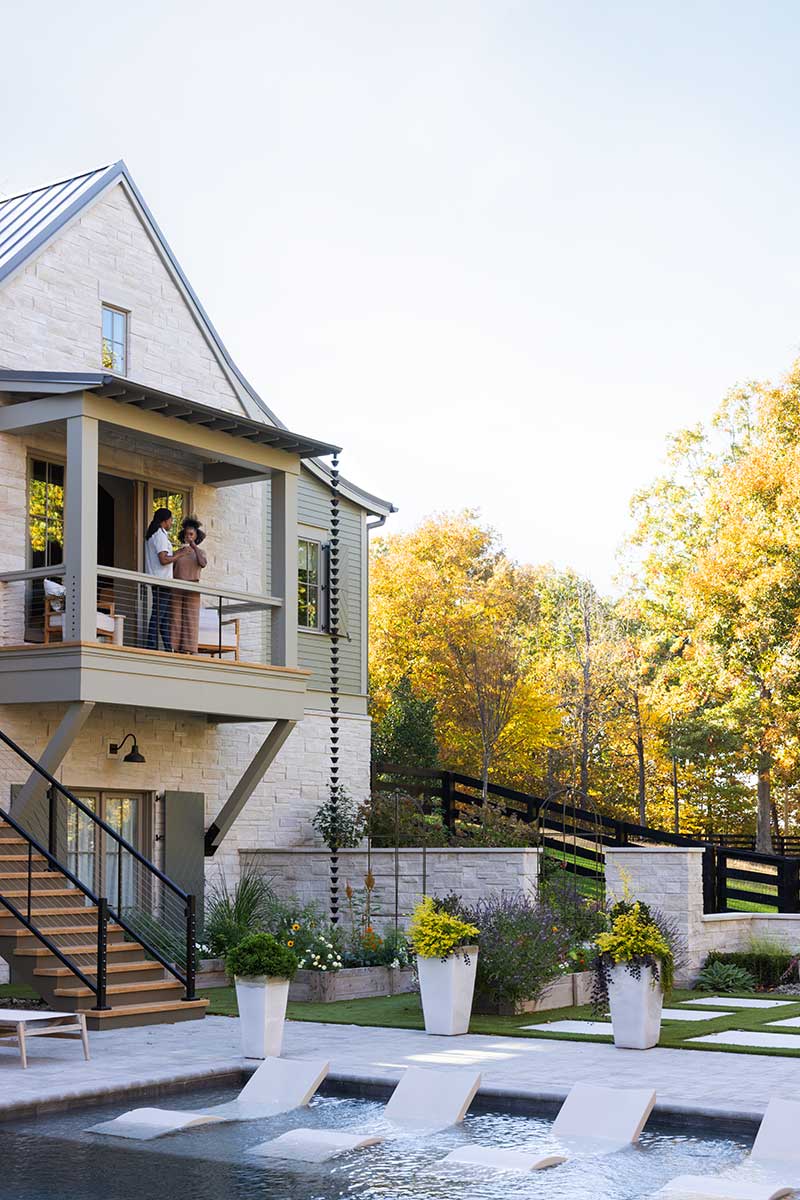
{"x":764,"y":810}
{"x":485,"y":763}
{"x":640,"y":775}
{"x":586,"y":708}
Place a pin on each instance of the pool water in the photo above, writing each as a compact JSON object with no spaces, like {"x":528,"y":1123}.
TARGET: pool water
{"x":52,"y":1158}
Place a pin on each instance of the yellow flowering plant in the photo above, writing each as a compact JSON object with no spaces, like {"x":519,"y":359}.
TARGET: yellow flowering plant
{"x":635,"y":938}
{"x":436,"y":933}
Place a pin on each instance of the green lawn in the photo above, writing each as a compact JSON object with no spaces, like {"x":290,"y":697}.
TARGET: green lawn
{"x":404,"y":1012}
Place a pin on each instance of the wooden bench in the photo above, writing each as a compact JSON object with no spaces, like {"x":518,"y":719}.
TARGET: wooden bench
{"x":42,"y":1024}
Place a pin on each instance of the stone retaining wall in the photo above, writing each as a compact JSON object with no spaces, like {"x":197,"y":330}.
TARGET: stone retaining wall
{"x":671,"y":879}
{"x":304,"y":874}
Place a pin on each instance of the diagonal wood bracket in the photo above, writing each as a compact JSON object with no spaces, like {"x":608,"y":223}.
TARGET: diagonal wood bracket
{"x":244,"y":789}
{"x":53,"y":755}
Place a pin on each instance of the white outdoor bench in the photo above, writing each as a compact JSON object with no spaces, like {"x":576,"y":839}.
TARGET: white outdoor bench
{"x":38,"y":1022}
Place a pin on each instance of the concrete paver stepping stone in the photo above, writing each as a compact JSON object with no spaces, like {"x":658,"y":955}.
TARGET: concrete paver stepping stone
{"x":737,"y":1002}
{"x":682,"y":1014}
{"x":593,"y":1027}
{"x":750,"y":1037}
{"x":787,"y":1023}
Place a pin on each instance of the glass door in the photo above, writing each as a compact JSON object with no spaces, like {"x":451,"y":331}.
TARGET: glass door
{"x":94,"y":856}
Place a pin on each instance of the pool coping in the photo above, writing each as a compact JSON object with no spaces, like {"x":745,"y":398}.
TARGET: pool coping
{"x":526,"y":1101}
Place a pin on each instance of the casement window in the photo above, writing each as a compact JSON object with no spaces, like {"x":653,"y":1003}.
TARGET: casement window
{"x":115,"y":340}
{"x":309,"y":584}
{"x":45,"y":513}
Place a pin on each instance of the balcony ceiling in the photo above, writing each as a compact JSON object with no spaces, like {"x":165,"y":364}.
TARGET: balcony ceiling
{"x":39,"y":384}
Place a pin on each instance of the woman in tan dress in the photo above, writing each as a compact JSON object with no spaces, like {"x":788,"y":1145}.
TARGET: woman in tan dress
{"x":186,"y":605}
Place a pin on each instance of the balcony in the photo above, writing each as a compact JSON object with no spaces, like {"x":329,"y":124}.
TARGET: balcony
{"x":226,"y":674}
{"x":78,"y":627}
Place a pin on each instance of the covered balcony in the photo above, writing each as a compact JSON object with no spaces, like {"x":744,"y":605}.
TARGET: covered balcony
{"x":79,"y":618}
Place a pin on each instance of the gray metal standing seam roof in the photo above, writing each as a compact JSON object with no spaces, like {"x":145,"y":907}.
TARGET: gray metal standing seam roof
{"x":26,"y":219}
{"x":31,"y":219}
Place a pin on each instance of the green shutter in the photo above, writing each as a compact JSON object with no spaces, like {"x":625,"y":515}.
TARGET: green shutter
{"x":184,"y":838}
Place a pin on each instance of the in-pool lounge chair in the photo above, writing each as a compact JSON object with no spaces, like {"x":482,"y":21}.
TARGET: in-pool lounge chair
{"x":278,"y":1086}
{"x":771,"y":1170}
{"x":423,"y":1100}
{"x":592,"y":1120}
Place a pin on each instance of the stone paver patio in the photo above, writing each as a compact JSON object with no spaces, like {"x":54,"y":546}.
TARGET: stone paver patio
{"x":126,"y":1059}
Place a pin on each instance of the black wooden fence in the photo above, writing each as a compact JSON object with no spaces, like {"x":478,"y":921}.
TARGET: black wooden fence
{"x":735,"y":876}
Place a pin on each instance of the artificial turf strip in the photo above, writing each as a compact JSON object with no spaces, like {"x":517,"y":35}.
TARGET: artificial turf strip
{"x":404,"y":1012}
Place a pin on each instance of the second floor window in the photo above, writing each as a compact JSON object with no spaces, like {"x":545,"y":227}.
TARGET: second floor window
{"x":309,"y":584}
{"x":115,"y":340}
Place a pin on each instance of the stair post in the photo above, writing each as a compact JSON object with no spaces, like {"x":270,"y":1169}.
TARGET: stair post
{"x":102,"y":956}
{"x":191,"y":947}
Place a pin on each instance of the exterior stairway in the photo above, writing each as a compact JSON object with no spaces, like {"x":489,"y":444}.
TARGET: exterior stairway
{"x":138,"y":989}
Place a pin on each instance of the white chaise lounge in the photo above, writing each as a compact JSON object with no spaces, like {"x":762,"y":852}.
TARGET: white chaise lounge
{"x":423,"y":1100}
{"x":278,"y":1086}
{"x":771,"y":1170}
{"x":592,"y":1120}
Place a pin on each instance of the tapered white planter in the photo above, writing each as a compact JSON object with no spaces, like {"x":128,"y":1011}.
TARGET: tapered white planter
{"x":635,"y":1008}
{"x":446,"y":987}
{"x":262,"y":1013}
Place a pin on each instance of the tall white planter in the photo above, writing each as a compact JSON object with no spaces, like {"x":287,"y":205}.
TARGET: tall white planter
{"x":446,"y":987}
{"x":262,"y":1012}
{"x":635,"y":1008}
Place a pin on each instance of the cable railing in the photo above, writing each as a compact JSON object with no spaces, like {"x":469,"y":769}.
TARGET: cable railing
{"x":92,"y":853}
{"x":142,"y":612}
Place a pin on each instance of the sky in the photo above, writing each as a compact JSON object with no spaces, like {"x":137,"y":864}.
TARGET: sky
{"x":496,"y":250}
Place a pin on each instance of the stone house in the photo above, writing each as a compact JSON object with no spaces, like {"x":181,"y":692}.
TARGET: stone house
{"x":117,"y":398}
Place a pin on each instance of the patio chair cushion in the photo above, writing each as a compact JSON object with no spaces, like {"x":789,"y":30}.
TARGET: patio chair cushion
{"x":105,"y":623}
{"x":209,"y":629}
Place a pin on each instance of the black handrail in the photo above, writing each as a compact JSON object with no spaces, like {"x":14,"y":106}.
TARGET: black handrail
{"x":51,"y":946}
{"x":107,"y":829}
{"x":98,"y":901}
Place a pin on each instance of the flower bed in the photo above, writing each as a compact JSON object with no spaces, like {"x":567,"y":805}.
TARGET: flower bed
{"x":351,"y":983}
{"x":564,"y":992}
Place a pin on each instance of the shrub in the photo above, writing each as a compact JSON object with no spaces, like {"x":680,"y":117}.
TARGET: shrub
{"x":435,"y":933}
{"x":398,"y":819}
{"x":766,"y":970}
{"x":560,"y":893}
{"x":522,"y":947}
{"x":340,"y":823}
{"x":260,"y":954}
{"x":724,"y":977}
{"x":232,"y":914}
{"x":487,"y":826}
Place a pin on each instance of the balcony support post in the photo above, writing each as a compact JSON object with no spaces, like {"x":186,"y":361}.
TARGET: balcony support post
{"x":80,"y":530}
{"x":283,"y":582}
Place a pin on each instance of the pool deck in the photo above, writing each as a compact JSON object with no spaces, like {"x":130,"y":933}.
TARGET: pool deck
{"x":136,"y":1062}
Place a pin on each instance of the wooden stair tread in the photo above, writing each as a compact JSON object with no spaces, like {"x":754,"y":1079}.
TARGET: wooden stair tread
{"x":141,"y":1009}
{"x":59,"y":910}
{"x":114,"y":948}
{"x":49,"y":930}
{"x":143,"y":964}
{"x":42,"y":892}
{"x":157,"y":986}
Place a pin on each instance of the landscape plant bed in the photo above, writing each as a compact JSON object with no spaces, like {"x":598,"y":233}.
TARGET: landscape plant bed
{"x":351,"y":983}
{"x":564,"y":992}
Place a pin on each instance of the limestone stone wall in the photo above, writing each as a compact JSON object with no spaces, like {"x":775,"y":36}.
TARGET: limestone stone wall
{"x":185,"y":753}
{"x":671,"y":879}
{"x":51,"y":317}
{"x":304,"y":875}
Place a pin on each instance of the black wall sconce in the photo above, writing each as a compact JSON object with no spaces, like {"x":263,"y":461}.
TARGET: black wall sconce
{"x":133,"y":755}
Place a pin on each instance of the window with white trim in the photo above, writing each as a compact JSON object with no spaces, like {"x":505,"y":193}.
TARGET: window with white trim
{"x":309,"y":584}
{"x":115,"y":340}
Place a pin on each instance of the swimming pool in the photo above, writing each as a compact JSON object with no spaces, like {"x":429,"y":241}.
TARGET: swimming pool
{"x":52,"y":1158}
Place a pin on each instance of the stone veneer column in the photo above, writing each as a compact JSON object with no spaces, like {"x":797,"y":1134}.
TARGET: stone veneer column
{"x":669,"y":878}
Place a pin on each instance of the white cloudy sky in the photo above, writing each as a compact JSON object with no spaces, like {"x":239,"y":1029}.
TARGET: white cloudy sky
{"x":497,"y":249}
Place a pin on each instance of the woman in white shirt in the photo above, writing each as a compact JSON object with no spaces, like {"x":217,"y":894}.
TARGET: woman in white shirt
{"x":158,"y":560}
